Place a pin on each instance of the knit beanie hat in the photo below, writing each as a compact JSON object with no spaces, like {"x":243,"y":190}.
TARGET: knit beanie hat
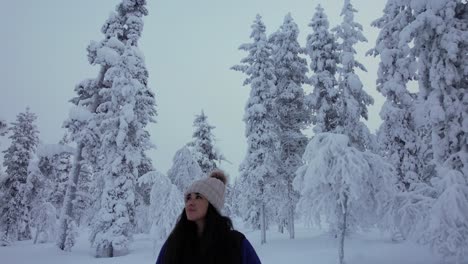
{"x":212,"y":188}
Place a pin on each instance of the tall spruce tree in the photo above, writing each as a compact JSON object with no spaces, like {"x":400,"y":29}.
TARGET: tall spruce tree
{"x":322,"y":48}
{"x":259,"y":167}
{"x":126,"y":108}
{"x":202,"y":146}
{"x":353,"y":100}
{"x":291,"y":115}
{"x":15,"y":212}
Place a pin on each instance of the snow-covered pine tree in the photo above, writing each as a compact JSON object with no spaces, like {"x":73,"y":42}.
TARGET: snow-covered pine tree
{"x":15,"y":212}
{"x":322,"y":49}
{"x":291,"y":116}
{"x":202,"y":146}
{"x":353,"y":100}
{"x":438,"y":37}
{"x":127,"y":106}
{"x":259,"y":167}
{"x":343,"y":186}
{"x":397,"y":135}
{"x":184,"y":170}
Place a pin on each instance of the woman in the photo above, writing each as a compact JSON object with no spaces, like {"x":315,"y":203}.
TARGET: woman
{"x":202,"y":234}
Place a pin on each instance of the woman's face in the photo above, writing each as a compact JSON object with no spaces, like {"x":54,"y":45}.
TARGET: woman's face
{"x":196,"y":206}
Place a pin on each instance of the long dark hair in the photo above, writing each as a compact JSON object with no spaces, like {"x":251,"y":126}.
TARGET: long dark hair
{"x":214,"y":246}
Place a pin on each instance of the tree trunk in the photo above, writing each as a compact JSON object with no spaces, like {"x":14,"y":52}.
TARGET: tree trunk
{"x":106,"y":251}
{"x":24,"y":228}
{"x":291,"y":222}
{"x":263,"y":223}
{"x":67,"y":208}
{"x":281,"y":227}
{"x":342,"y":230}
{"x":291,"y":208}
{"x":70,"y":196}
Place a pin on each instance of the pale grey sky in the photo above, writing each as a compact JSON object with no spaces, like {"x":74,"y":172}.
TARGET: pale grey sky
{"x":189,"y":47}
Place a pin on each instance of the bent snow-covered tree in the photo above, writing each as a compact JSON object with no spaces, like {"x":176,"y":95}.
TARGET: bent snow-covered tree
{"x":184,"y":170}
{"x":343,"y":186}
{"x":165,"y":206}
{"x":259,"y":166}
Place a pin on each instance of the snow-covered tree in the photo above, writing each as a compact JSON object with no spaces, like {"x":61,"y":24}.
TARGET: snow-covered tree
{"x":53,"y":163}
{"x":397,"y":136}
{"x":230,"y":202}
{"x":166,"y":204}
{"x":437,"y":35}
{"x":259,"y":167}
{"x":15,"y":212}
{"x":66,"y":193}
{"x":42,"y":182}
{"x":142,"y":199}
{"x":82,"y":132}
{"x":343,"y":186}
{"x":322,"y":49}
{"x":447,"y":227}
{"x":291,"y":115}
{"x":144,"y":190}
{"x":39,"y":189}
{"x":82,"y":204}
{"x":127,"y":106}
{"x":184,"y":170}
{"x":202,"y":146}
{"x":63,"y":167}
{"x":117,"y":98}
{"x":353,"y":100}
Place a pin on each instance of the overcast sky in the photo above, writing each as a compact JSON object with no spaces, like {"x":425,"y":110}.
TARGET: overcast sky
{"x":189,"y":47}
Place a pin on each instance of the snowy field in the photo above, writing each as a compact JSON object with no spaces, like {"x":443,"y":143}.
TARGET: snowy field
{"x":310,"y":246}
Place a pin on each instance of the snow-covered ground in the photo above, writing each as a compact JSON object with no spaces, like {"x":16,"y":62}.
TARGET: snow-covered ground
{"x":310,"y":246}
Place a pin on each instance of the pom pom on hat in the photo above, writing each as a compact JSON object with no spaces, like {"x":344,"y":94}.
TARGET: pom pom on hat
{"x":212,"y":188}
{"x":218,"y":174}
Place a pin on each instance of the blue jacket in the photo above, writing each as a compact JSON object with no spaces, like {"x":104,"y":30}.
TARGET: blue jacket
{"x":249,"y":256}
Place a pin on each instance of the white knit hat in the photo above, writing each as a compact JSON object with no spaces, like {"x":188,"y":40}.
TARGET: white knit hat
{"x":212,"y":188}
